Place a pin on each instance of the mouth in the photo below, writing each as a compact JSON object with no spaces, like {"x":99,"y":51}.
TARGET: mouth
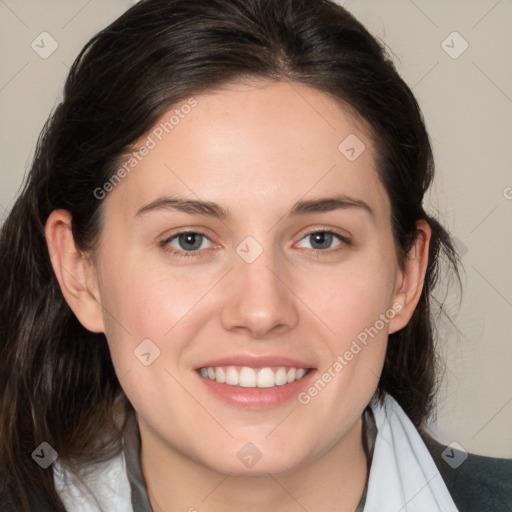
{"x":248,"y":377}
{"x":264,"y":385}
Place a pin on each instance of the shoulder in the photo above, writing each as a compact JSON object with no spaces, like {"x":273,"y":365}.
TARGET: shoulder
{"x":476,"y":482}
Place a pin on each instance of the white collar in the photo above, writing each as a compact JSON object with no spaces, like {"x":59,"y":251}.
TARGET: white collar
{"x":403,"y":475}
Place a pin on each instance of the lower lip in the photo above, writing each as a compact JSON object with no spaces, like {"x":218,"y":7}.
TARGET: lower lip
{"x":257,"y":398}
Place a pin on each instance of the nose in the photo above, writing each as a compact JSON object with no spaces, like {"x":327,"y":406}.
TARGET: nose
{"x":259,"y":299}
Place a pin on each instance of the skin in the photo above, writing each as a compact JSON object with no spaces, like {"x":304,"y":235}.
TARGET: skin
{"x":256,"y":148}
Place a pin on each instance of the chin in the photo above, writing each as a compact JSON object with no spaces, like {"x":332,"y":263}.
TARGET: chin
{"x":247,"y":459}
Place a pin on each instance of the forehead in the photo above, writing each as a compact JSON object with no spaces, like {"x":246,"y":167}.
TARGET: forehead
{"x":257,"y":143}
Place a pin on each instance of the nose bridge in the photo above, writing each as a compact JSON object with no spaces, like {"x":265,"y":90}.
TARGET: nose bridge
{"x":258,"y":299}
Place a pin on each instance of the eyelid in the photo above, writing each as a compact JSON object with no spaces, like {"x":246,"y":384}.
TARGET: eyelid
{"x":345,"y":238}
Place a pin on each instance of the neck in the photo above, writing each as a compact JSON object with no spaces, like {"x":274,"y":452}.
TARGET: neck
{"x":333,"y":482}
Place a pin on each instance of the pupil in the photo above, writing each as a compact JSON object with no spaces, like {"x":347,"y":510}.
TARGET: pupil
{"x":323,"y":239}
{"x":190,"y":241}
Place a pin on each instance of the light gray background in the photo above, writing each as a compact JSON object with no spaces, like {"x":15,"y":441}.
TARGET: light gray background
{"x":467,"y":103}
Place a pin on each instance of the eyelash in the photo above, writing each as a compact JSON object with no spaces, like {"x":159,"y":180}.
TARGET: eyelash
{"x":187,"y":254}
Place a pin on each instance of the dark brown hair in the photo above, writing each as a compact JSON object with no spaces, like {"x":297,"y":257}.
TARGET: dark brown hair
{"x":57,"y":380}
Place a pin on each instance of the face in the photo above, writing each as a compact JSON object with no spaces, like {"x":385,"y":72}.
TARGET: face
{"x":248,"y":245}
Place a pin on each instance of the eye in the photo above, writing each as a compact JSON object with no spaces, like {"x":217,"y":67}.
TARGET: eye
{"x":191,"y":243}
{"x":185,"y":242}
{"x":320,"y":241}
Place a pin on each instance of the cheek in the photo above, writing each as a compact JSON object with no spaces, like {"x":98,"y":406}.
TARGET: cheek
{"x":148,"y":331}
{"x":357,"y":307}
{"x":150,"y":304}
{"x":348,"y":302}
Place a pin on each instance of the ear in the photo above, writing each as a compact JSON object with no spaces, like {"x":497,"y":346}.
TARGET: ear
{"x":409,"y":282}
{"x":74,"y":271}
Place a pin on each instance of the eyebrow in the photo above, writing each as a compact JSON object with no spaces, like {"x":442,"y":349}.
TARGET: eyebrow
{"x":211,"y":209}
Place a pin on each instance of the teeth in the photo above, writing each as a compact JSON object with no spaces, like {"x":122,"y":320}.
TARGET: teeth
{"x":231,"y":376}
{"x":266,"y":378}
{"x":280,"y":377}
{"x":220,"y":375}
{"x":300,"y":374}
{"x":247,"y":377}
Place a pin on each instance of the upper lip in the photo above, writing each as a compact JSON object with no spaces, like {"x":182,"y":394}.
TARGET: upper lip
{"x":254,"y":361}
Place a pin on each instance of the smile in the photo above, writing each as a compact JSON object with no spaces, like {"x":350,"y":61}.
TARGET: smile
{"x":247,"y":377}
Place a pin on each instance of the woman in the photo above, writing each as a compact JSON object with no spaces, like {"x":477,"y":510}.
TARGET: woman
{"x":216,"y":282}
